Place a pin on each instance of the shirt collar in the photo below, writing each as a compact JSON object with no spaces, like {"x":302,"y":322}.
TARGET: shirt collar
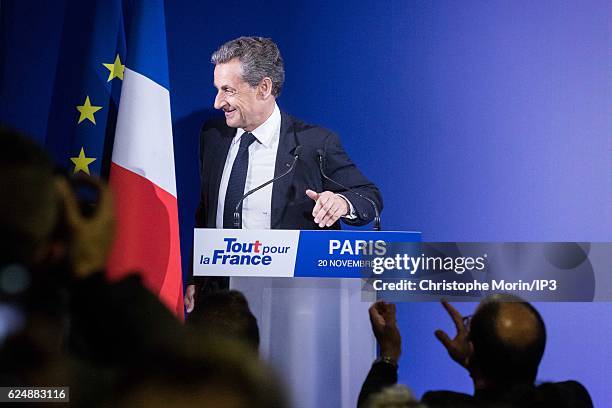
{"x":267,"y":131}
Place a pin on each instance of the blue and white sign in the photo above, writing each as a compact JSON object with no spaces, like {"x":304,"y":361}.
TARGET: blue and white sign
{"x":290,"y":253}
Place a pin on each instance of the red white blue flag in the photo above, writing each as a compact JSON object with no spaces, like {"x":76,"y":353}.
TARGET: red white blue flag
{"x":142,"y":169}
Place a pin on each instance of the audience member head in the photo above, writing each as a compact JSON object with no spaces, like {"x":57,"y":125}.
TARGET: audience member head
{"x":30,"y":219}
{"x":29,"y":207}
{"x":508,"y":338}
{"x":227,"y":313}
{"x":395,"y":396}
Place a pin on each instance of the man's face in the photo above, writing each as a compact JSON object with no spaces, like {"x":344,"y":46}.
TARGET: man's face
{"x":236,"y":97}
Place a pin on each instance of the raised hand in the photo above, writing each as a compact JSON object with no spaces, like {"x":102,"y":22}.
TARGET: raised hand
{"x":384,"y":325}
{"x":459,"y":348}
{"x":90,"y":237}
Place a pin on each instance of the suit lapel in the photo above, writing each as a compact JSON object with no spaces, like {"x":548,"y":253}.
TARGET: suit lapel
{"x":217,"y":168}
{"x":284,"y":158}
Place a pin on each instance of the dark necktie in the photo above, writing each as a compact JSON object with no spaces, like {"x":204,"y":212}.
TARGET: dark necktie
{"x":237,"y":180}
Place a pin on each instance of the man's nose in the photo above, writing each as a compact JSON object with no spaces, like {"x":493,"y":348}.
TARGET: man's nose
{"x":219,"y":101}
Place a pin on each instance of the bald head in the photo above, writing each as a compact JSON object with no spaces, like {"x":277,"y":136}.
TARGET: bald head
{"x":516,"y":324}
{"x":509,"y":337}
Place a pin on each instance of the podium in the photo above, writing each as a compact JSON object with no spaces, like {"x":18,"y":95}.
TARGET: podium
{"x":304,"y":289}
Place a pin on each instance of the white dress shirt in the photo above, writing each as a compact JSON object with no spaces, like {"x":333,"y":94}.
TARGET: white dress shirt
{"x":257,"y":208}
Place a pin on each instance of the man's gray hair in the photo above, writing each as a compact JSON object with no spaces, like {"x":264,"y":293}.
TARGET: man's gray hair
{"x":259,"y":57}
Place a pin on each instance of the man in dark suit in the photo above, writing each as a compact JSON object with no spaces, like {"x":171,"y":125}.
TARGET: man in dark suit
{"x":256,"y":142}
{"x":500,"y":346}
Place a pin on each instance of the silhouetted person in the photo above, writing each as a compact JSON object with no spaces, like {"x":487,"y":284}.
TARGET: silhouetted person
{"x":52,"y":265}
{"x":501,"y":346}
{"x":33,"y":277}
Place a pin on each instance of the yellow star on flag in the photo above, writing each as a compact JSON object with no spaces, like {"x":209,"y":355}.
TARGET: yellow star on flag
{"x":82,"y":163}
{"x":87,"y":111}
{"x":116,"y":69}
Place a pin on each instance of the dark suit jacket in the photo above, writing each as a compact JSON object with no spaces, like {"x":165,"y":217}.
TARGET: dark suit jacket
{"x":567,"y":394}
{"x":291,"y":207}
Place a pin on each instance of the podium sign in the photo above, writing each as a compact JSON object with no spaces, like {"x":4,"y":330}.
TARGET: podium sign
{"x":290,"y":253}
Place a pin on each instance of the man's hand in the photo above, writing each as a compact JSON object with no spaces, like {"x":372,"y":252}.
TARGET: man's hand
{"x":460,"y":348}
{"x":90,"y":237}
{"x":329,"y":207}
{"x":189,"y":298}
{"x":384,"y":326}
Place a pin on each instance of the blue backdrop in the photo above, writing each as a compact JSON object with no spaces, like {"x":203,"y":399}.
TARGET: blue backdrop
{"x":479,"y":121}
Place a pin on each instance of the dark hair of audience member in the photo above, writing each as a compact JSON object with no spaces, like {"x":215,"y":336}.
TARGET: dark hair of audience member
{"x":509,"y":337}
{"x":227,"y":313}
{"x":29,"y":205}
{"x":31,"y":264}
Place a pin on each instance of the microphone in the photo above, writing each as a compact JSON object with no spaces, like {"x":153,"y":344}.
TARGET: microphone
{"x":237,"y":212}
{"x":321,"y":156}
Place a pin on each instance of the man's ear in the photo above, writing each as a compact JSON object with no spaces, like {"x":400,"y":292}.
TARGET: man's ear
{"x":264,"y":90}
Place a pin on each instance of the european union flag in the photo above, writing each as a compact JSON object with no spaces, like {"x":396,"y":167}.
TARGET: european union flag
{"x":86,"y":80}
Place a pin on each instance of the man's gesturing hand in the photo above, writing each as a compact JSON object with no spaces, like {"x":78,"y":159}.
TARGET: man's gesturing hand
{"x":384,"y":326}
{"x":460,"y":348}
{"x":329,"y":207}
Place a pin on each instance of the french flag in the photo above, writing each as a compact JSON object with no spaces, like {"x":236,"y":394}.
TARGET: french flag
{"x":142,"y":169}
